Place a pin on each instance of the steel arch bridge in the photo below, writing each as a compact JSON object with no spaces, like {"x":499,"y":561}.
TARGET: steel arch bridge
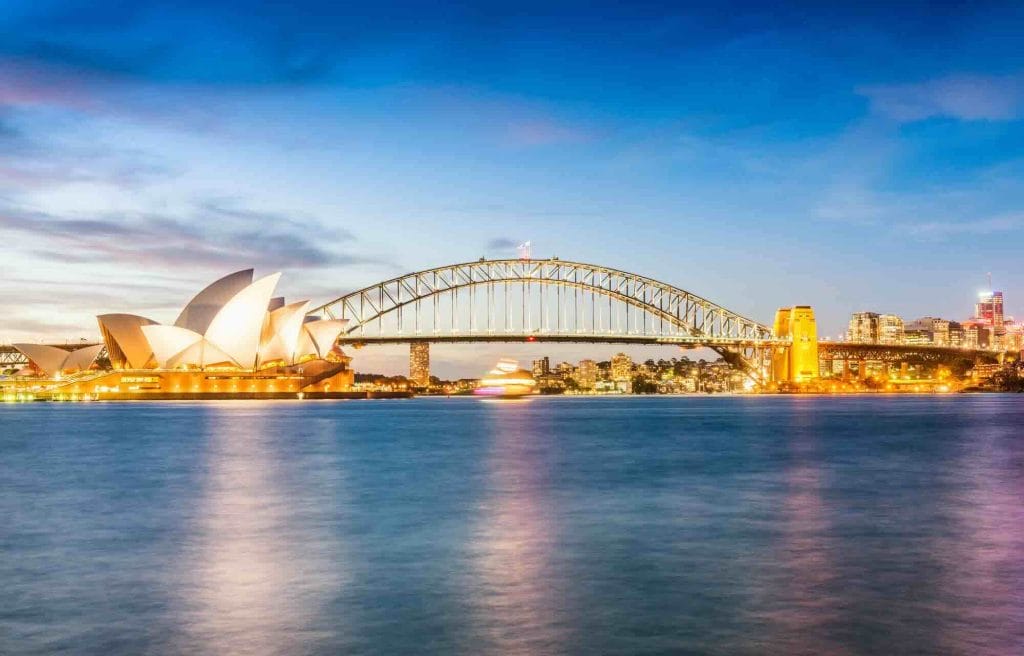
{"x":552,"y":300}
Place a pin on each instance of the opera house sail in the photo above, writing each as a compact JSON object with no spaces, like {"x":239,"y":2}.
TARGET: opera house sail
{"x":234,"y":339}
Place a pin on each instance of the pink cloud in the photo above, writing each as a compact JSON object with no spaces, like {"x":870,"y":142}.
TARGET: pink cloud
{"x":544,"y":132}
{"x":25,"y":85}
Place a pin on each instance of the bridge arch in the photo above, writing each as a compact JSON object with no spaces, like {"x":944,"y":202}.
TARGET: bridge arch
{"x":515,"y":298}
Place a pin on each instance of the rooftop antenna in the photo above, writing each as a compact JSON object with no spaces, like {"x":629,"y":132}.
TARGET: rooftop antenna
{"x":524,"y":250}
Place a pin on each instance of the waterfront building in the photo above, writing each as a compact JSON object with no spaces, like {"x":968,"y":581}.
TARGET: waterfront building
{"x":586,"y":374}
{"x":863,"y":328}
{"x":541,"y":367}
{"x":54,"y":362}
{"x":419,"y":364}
{"x":234,"y":338}
{"x":890,"y":329}
{"x":803,"y":329}
{"x":799,"y":362}
{"x":622,"y":368}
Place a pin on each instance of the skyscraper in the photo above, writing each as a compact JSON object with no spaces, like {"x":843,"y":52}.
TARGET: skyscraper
{"x":419,"y":364}
{"x":989,"y":309}
{"x":541,"y":367}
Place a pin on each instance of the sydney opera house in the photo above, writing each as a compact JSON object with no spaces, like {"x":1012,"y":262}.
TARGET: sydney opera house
{"x":235,"y":339}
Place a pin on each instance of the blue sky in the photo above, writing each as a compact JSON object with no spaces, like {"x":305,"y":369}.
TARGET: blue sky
{"x":846,"y":157}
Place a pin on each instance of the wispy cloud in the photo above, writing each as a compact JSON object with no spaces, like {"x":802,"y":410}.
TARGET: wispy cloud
{"x":965,"y":97}
{"x":948,"y":229}
{"x":212,"y":235}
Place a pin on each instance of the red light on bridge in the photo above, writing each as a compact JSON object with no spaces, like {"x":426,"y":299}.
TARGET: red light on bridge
{"x":531,"y":338}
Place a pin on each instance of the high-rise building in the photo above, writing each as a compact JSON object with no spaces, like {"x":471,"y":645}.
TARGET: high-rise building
{"x":542,"y":366}
{"x":419,"y":364}
{"x":622,"y":367}
{"x":586,"y":374}
{"x":989,"y":309}
{"x":890,"y":329}
{"x":863,"y":328}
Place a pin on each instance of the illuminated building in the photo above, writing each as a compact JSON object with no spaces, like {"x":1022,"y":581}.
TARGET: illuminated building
{"x":930,"y":330}
{"x":803,"y":329}
{"x":989,"y":309}
{"x":541,"y":367}
{"x":419,"y":364}
{"x":586,"y":374}
{"x":977,"y":335}
{"x":232,"y":340}
{"x":956,"y":334}
{"x":890,"y":329}
{"x":780,"y":357}
{"x":863,"y":328}
{"x":799,"y":362}
{"x":622,"y":368}
{"x":54,"y":362}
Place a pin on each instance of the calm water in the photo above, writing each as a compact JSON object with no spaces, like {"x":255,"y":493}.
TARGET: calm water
{"x":736,"y":525}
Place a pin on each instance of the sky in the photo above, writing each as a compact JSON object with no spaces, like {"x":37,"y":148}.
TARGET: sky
{"x":842,"y":156}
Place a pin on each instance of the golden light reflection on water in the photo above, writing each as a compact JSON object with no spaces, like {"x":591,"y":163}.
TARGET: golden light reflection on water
{"x":254,"y":577}
{"x":515,"y":600}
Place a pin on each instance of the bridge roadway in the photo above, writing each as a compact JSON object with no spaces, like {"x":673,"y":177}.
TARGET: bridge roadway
{"x":613,"y":338}
{"x":827,"y":350}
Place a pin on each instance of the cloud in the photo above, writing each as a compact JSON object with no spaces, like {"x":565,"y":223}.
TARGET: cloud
{"x":212,"y":236}
{"x":545,"y":132}
{"x":502,"y":244}
{"x":947,"y":229}
{"x":964,"y":97}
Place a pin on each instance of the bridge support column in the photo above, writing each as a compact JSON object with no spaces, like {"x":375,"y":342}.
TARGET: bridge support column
{"x":904,"y":370}
{"x":846,"y":370}
{"x":862,"y":369}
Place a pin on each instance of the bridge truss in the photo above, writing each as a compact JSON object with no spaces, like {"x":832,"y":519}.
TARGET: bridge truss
{"x":545,"y":300}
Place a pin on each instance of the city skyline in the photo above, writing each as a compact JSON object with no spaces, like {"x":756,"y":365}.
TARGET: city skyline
{"x":847,"y":159}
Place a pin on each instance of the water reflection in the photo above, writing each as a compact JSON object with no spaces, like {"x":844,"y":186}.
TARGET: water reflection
{"x":514,"y":596}
{"x":983,"y":554}
{"x":257,"y":571}
{"x":802,"y":604}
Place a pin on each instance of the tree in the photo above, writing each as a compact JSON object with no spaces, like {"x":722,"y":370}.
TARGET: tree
{"x":642,"y":385}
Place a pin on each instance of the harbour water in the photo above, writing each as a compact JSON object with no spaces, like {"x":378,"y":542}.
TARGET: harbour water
{"x":718,"y":525}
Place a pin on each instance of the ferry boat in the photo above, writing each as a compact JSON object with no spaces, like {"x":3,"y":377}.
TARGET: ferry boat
{"x":506,"y":381}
